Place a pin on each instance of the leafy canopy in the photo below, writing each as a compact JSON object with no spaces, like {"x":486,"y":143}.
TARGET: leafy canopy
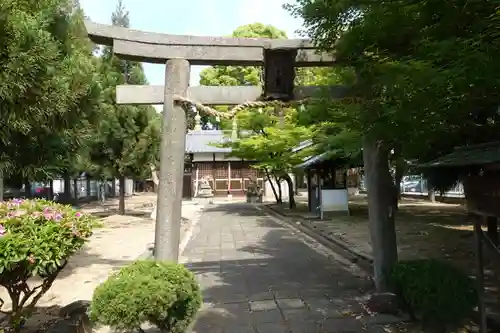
{"x":127,"y":138}
{"x":267,"y":142}
{"x":426,"y":71}
{"x":49,"y":91}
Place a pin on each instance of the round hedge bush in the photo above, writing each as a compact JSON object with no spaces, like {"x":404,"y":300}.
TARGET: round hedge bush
{"x":434,"y":290}
{"x":163,"y":294}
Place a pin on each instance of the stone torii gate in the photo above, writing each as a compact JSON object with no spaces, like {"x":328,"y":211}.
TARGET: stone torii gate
{"x":278,"y":57}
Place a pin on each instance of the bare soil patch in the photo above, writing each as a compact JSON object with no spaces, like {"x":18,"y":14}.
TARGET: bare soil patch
{"x":423,"y":230}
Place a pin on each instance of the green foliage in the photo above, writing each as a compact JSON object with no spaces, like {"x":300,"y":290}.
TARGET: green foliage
{"x":267,"y":142}
{"x":127,"y":141}
{"x":437,"y":291}
{"x":323,"y":76}
{"x":427,"y":80}
{"x":127,"y":138}
{"x":163,"y":294}
{"x":30,"y":65}
{"x":49,"y":91}
{"x":37,"y":238}
{"x":264,"y":136}
{"x":426,"y":73}
{"x":267,"y":139}
{"x":238,"y":75}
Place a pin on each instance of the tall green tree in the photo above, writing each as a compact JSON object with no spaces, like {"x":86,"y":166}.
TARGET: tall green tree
{"x":266,"y":127}
{"x":48,"y":87}
{"x":127,"y":137}
{"x":238,"y":75}
{"x":268,"y":140}
{"x":426,"y":80}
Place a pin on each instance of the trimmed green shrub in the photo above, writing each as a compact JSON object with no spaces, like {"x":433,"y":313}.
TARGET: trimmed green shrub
{"x":163,"y":294}
{"x":37,"y":237}
{"x":437,"y":292}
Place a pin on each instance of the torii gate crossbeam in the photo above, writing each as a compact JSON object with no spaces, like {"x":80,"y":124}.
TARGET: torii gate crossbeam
{"x":278,"y":58}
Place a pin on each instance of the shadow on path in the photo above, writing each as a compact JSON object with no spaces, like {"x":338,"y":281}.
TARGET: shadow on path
{"x":258,"y":276}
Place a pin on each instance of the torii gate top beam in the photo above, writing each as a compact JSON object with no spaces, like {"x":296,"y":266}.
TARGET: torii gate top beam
{"x":157,"y":48}
{"x":105,"y":34}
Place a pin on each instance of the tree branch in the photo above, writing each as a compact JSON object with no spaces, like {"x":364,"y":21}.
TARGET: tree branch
{"x":154,"y":174}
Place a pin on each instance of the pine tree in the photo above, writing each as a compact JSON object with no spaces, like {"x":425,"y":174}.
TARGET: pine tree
{"x":48,"y":87}
{"x":127,"y":138}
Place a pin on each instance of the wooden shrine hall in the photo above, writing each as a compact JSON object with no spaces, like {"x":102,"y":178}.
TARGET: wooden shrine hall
{"x":208,"y":163}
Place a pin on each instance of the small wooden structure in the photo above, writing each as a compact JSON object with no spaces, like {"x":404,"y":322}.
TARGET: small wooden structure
{"x":478,"y":167}
{"x":227,"y":175}
{"x":328,"y":177}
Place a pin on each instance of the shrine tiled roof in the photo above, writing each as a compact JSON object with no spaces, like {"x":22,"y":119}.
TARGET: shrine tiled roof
{"x":303,"y":145}
{"x":310,"y":161}
{"x":205,"y":141}
{"x":475,"y":155}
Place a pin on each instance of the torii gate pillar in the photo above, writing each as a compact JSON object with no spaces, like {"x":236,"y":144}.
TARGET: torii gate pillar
{"x":173,"y":141}
{"x":279,"y":57}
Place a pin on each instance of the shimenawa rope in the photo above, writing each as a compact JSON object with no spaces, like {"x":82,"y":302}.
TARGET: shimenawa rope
{"x":238,"y":108}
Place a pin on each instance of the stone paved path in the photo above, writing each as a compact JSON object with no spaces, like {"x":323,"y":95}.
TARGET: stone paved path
{"x":262,"y":277}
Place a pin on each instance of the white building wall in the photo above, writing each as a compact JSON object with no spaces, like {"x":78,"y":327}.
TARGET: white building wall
{"x":268,"y":191}
{"x":129,"y":187}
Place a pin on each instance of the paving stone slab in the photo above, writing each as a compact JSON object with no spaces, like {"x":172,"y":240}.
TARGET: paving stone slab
{"x":263,"y":305}
{"x":272,"y":328}
{"x":261,"y":277}
{"x":266,"y":295}
{"x":291,"y":303}
{"x":267,"y":316}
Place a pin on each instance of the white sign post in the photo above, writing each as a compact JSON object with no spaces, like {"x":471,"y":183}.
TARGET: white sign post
{"x":334,"y":201}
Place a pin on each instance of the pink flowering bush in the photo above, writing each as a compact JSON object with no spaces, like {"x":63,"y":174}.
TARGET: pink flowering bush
{"x":37,"y":237}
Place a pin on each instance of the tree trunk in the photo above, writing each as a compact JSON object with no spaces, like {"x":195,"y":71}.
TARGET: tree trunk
{"x":88,"y":186}
{"x":432,"y":195}
{"x":27,"y":189}
{"x":268,"y":176}
{"x":381,"y":191}
{"x":121,"y":202}
{"x":75,"y":188}
{"x":67,"y":189}
{"x":51,"y":190}
{"x":113,"y":188}
{"x":156,"y":181}
{"x":154,"y":174}
{"x":1,"y":185}
{"x":280,"y":192}
{"x":299,"y":180}
{"x":492,"y":223}
{"x":291,"y":193}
